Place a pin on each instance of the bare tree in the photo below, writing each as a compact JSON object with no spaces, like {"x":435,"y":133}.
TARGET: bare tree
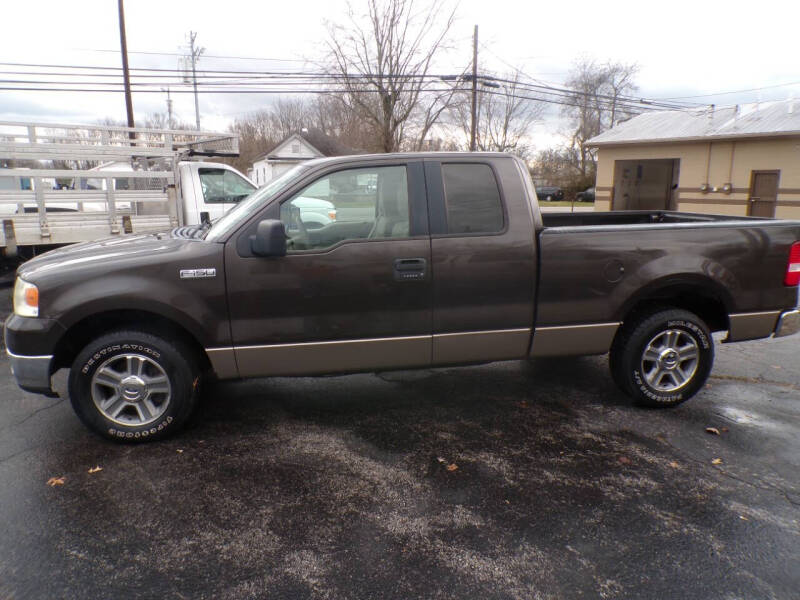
{"x":505,"y":116}
{"x":323,"y":120}
{"x":596,"y":102}
{"x":383,"y":59}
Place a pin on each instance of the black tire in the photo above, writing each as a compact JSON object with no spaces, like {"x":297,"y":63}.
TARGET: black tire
{"x":662,"y":357}
{"x":149,"y":382}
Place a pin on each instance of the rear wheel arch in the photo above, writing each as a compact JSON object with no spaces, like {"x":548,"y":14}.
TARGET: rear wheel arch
{"x":702,"y":296}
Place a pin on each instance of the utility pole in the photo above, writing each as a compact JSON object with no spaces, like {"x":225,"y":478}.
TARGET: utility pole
{"x":195,"y":55}
{"x":474,"y":122}
{"x":169,"y":108}
{"x":125,"y":72}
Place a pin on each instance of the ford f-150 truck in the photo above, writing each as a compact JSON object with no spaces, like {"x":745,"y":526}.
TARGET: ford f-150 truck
{"x":447,"y":261}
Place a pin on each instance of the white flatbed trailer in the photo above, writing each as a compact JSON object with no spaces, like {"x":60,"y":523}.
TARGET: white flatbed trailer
{"x":94,"y":203}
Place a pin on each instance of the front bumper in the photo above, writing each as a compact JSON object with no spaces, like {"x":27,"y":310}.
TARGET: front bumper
{"x":788,"y":323}
{"x":30,"y":343}
{"x":32,"y":373}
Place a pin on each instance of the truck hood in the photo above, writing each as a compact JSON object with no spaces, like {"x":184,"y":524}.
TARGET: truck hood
{"x":131,"y":249}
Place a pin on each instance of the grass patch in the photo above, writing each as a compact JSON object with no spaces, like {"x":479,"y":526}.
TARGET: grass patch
{"x":564,"y":203}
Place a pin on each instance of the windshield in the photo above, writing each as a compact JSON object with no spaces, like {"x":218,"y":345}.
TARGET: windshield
{"x":242,"y":211}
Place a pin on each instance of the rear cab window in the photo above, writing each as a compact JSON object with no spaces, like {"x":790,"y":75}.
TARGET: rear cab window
{"x":472,"y":199}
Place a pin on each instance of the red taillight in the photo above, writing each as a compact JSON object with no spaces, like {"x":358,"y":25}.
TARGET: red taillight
{"x":793,"y":267}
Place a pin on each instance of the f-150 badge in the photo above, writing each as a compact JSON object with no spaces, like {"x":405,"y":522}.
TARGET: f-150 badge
{"x":198,"y":273}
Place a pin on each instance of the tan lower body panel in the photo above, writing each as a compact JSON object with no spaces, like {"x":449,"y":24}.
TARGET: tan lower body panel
{"x":318,"y":358}
{"x":223,"y":362}
{"x":341,"y":356}
{"x":480,"y":346}
{"x":751,"y":326}
{"x":573,"y":340}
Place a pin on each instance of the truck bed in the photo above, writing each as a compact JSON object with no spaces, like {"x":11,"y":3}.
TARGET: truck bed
{"x":596,"y":267}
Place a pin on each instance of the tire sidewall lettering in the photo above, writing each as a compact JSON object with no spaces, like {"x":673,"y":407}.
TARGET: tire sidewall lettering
{"x":152,"y":430}
{"x":698,"y":333}
{"x":108,"y":351}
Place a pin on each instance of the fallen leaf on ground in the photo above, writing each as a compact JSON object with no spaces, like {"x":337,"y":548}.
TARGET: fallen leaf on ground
{"x":522,"y":404}
{"x":743,"y":518}
{"x":54,"y":481}
{"x":724,"y":430}
{"x":713,"y":430}
{"x":179,"y":451}
{"x":452,"y":467}
{"x":96,"y":469}
{"x":624,"y":460}
{"x":441,"y":460}
{"x":716,"y":461}
{"x":776,"y":366}
{"x":674,"y":464}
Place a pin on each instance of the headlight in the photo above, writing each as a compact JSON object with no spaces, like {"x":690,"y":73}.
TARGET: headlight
{"x":26,"y":299}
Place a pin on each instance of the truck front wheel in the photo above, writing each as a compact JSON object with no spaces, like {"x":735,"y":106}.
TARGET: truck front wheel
{"x":133,"y":386}
{"x":663,"y":357}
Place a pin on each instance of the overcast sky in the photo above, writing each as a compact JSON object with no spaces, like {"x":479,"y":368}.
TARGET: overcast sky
{"x":682,"y":48}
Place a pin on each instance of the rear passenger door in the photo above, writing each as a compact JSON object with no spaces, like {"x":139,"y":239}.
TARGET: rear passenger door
{"x":483,"y":260}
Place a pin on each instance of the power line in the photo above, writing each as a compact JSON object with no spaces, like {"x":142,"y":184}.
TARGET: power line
{"x":299,"y":60}
{"x":758,"y":89}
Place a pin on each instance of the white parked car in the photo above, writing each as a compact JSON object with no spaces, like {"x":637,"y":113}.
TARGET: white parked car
{"x":315,"y":213}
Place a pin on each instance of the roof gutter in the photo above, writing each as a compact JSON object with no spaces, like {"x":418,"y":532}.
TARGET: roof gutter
{"x":697,"y":138}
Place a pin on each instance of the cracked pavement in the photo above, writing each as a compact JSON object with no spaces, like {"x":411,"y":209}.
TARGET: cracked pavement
{"x":509,"y":480}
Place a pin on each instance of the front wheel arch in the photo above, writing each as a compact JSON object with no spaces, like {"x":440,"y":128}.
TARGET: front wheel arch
{"x":82,"y":332}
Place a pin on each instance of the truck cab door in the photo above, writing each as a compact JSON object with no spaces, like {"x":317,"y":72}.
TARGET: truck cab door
{"x":483,"y":256}
{"x":220,"y":190}
{"x":353,"y":295}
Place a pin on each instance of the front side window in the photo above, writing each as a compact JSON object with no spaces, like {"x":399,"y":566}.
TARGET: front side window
{"x":355,"y":204}
{"x":472,"y":199}
{"x":221,"y":186}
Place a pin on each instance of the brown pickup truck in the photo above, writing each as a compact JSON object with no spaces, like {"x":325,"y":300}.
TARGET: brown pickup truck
{"x":428,"y":260}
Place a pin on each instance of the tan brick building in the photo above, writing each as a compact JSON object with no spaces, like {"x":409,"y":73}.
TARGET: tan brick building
{"x":742,"y":160}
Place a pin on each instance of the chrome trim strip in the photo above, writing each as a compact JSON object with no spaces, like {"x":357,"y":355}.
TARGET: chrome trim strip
{"x":573,"y":340}
{"x":751,"y":326}
{"x":23,"y":356}
{"x":462,"y":333}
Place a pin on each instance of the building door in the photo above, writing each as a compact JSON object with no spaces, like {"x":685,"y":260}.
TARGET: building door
{"x":645,"y":184}
{"x":763,"y":193}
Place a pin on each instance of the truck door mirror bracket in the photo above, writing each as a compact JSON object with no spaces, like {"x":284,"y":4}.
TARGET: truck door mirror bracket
{"x":270,"y":238}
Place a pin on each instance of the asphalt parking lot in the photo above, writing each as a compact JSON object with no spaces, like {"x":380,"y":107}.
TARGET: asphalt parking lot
{"x":509,"y":480}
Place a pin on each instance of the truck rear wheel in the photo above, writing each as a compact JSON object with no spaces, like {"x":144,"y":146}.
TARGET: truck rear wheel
{"x":663,"y":357}
{"x":133,"y":386}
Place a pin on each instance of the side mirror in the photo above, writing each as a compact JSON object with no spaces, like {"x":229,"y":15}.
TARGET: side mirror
{"x":270,"y":238}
